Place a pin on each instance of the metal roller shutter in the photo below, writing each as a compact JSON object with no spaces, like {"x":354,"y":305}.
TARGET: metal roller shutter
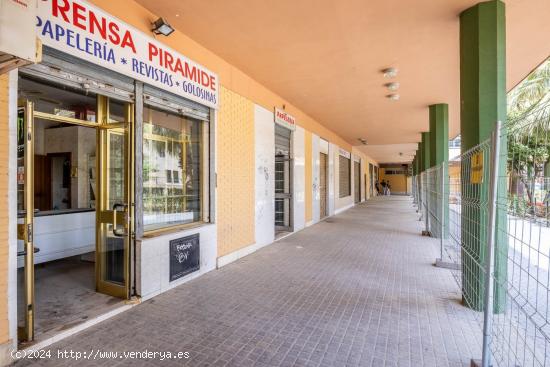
{"x":344,"y":176}
{"x":357,"y":181}
{"x":158,"y":98}
{"x":62,"y":69}
{"x":282,"y":141}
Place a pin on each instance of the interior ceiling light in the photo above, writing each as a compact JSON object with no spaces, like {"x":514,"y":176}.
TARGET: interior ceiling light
{"x":362,"y":140}
{"x":393,"y":97}
{"x":393,"y":86}
{"x":390,"y":72}
{"x":161,"y":26}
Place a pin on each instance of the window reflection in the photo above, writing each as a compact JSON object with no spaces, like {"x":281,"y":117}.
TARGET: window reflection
{"x":171,"y":169}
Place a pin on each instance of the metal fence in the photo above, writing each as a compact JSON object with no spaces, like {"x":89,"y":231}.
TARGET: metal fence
{"x":489,"y":208}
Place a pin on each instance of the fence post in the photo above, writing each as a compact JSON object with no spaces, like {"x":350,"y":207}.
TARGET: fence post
{"x":489,"y":259}
{"x":419,"y":199}
{"x":442,"y":208}
{"x":426,"y":231}
{"x":420,"y":196}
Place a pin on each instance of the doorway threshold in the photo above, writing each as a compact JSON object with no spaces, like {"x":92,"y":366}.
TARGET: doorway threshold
{"x":279,"y":235}
{"x":66,"y":301}
{"x":46,"y":339}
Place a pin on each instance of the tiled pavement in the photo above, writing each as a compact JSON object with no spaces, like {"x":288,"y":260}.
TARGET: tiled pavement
{"x":356,"y":290}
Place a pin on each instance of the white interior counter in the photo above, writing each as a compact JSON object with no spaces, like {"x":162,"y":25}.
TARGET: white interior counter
{"x":61,"y":235}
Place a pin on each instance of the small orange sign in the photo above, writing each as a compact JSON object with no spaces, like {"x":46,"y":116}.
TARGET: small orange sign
{"x":476,"y":168}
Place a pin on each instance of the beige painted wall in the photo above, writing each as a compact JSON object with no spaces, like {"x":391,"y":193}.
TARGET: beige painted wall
{"x":236,"y":179}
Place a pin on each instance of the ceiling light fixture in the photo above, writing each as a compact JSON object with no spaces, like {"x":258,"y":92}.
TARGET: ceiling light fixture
{"x":393,"y":97}
{"x":362,"y":140}
{"x":161,"y":26}
{"x":393,"y":86}
{"x":390,"y":72}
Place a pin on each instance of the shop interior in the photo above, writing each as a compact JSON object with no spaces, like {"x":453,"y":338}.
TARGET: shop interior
{"x":64,"y":209}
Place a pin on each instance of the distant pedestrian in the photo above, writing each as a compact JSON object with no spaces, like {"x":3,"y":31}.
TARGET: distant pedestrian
{"x":377,"y":186}
{"x":388,"y":187}
{"x":383,"y":184}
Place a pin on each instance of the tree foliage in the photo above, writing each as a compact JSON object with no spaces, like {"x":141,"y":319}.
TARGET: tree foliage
{"x":528,"y":128}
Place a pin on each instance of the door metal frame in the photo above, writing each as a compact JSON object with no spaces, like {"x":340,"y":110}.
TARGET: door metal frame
{"x":25,"y":230}
{"x":113,"y":216}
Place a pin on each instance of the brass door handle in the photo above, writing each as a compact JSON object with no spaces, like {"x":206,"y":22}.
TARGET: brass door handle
{"x":116,"y":208}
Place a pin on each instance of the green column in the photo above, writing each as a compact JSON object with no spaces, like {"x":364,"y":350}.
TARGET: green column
{"x":420,"y":158}
{"x":426,"y":161}
{"x":417,"y":157}
{"x":483,"y":102}
{"x":439,"y":155}
{"x":439,"y":134}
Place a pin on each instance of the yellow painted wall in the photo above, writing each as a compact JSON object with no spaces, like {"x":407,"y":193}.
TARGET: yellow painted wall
{"x":398,"y":182}
{"x":4,"y":221}
{"x":236,"y":180}
{"x":308,"y":148}
{"x":230,"y":76}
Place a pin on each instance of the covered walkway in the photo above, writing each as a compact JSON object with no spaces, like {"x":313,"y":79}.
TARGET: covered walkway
{"x":358,"y":289}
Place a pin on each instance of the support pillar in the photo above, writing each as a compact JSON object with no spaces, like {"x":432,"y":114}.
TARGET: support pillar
{"x":426,"y":161}
{"x":439,"y":155}
{"x":417,"y":157}
{"x":483,"y":102}
{"x":426,"y":181}
{"x":420,"y":158}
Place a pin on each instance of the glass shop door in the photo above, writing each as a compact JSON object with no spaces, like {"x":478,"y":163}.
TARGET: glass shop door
{"x":114,"y":187}
{"x":112,"y":181}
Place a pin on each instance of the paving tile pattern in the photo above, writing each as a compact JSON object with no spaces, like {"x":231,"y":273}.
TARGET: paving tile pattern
{"x":356,"y":290}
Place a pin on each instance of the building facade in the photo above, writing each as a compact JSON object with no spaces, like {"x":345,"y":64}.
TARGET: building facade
{"x":134,"y":163}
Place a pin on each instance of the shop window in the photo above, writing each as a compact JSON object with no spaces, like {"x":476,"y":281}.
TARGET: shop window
{"x":345,"y":176}
{"x":64,"y":153}
{"x":172,"y":169}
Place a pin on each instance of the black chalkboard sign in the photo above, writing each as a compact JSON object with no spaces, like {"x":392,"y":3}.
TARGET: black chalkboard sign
{"x":185,"y":256}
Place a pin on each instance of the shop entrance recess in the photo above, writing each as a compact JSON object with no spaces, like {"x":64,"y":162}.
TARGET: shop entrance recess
{"x":357,"y":181}
{"x":323,"y":184}
{"x":371,"y":178}
{"x":283,"y":180}
{"x":114,"y":193}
